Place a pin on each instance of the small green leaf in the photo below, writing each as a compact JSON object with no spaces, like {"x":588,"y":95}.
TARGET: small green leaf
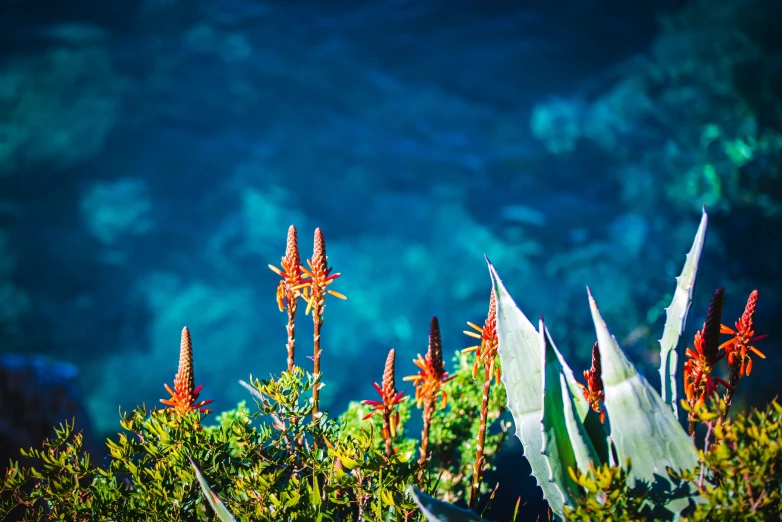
{"x":217,"y":505}
{"x":348,"y":462}
{"x":387,"y":497}
{"x":438,"y":511}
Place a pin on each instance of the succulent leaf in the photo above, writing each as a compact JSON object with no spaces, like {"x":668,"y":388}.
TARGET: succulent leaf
{"x":217,"y":505}
{"x":563,"y":433}
{"x":522,"y":368}
{"x":438,"y":511}
{"x":519,"y":351}
{"x":584,"y":416}
{"x":643,"y":426}
{"x":676,"y":316}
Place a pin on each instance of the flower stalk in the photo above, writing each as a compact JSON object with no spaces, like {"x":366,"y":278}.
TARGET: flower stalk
{"x":698,"y":381}
{"x":429,"y":385}
{"x":319,"y":278}
{"x":738,"y":348}
{"x":485,"y":354}
{"x":389,"y":399}
{"x":289,"y":289}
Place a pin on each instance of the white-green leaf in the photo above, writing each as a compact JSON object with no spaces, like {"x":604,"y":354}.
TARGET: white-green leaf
{"x":522,"y":367}
{"x":438,"y":511}
{"x":217,"y":505}
{"x":643,"y":427}
{"x":563,"y":433}
{"x":676,"y":316}
{"x":588,"y":419}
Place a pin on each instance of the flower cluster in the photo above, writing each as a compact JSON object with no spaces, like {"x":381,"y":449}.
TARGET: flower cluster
{"x":593,"y":391}
{"x":184,"y":396}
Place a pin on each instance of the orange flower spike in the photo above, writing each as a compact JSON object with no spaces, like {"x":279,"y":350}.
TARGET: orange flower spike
{"x":743,"y":336}
{"x":184,"y":396}
{"x":390,"y":398}
{"x":290,"y":289}
{"x":701,"y":361}
{"x":593,"y":391}
{"x":432,"y":374}
{"x":291,"y":272}
{"x":319,"y":274}
{"x":429,"y":385}
{"x":319,"y":278}
{"x":698,"y":382}
{"x":486,"y":352}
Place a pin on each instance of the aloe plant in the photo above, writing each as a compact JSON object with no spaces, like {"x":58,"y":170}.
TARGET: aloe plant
{"x":559,"y":431}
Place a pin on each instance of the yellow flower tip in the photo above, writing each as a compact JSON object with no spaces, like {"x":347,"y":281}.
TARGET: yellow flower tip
{"x":337,"y":295}
{"x":470,"y":349}
{"x":410,"y":378}
{"x":473,"y":334}
{"x":276,"y":270}
{"x":475,"y":327}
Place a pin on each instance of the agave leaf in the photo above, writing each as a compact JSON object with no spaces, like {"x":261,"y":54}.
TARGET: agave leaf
{"x":438,"y":511}
{"x":521,"y":359}
{"x":643,"y":427}
{"x":255,"y":393}
{"x":563,"y":433}
{"x":217,"y":505}
{"x":676,"y":316}
{"x":598,"y":439}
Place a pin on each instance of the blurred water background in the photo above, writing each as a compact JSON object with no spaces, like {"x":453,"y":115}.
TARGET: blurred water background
{"x":154,"y":152}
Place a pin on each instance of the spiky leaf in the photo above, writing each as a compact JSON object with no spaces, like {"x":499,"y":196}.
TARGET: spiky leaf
{"x":643,"y":427}
{"x":676,"y":316}
{"x":521,"y":359}
{"x":563,"y":433}
{"x":583,"y":414}
{"x":438,"y":511}
{"x":217,"y":505}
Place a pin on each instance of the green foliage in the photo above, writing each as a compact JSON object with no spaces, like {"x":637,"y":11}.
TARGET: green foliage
{"x":747,"y":466}
{"x":607,"y":495}
{"x":740,"y":477}
{"x":273,"y":463}
{"x":452,"y":440}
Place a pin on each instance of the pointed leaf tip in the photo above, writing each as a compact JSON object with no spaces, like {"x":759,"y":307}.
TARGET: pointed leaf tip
{"x":438,"y":511}
{"x":222,"y":512}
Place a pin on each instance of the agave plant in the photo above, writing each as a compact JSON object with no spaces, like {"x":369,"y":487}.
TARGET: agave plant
{"x":560,"y":429}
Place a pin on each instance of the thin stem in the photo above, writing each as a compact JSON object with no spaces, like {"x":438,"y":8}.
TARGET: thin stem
{"x":291,"y":327}
{"x":427,"y":415}
{"x":479,"y":459}
{"x":735,"y":375}
{"x":317,"y":319}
